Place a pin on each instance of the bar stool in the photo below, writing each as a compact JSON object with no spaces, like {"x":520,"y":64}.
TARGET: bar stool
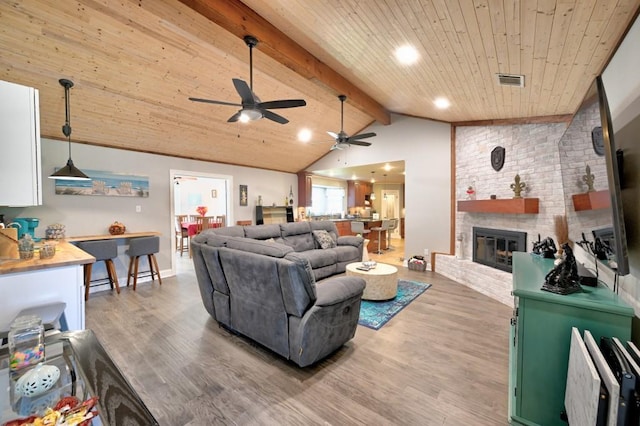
{"x":105,"y":250}
{"x":143,"y":246}
{"x":52,"y":315}
{"x":392,"y":227}
{"x":383,"y":227}
{"x":358,"y":228}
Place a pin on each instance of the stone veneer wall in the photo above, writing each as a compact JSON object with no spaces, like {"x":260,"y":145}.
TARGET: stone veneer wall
{"x":531,"y":152}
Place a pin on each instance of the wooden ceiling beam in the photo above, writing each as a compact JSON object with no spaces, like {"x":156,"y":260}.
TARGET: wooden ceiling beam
{"x":235,"y":17}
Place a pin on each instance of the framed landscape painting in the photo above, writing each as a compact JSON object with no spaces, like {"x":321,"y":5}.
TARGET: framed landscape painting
{"x":107,"y":184}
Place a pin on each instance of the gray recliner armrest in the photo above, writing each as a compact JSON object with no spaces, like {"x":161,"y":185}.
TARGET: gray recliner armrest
{"x":336,"y":290}
{"x":350,"y":240}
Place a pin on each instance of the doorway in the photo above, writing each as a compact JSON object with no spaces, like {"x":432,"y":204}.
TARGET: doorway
{"x":391,"y":208}
{"x":191,"y":190}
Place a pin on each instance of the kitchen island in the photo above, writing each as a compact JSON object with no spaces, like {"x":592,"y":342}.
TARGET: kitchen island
{"x":344,"y":228}
{"x":32,"y":282}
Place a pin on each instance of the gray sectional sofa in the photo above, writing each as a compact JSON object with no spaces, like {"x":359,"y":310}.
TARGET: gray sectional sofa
{"x":275,"y":284}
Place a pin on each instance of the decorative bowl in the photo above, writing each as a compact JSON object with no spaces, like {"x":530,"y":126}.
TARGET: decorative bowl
{"x":371,"y":264}
{"x":38,"y":381}
{"x":117,"y":228}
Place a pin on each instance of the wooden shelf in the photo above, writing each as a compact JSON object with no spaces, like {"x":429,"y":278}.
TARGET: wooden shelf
{"x":591,"y":200}
{"x":512,"y":206}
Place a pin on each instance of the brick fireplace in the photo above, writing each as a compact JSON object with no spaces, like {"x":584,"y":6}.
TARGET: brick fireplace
{"x":532,"y":153}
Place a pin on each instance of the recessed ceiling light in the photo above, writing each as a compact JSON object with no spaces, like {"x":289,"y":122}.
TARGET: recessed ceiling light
{"x":304,"y":135}
{"x":442,"y":103}
{"x":387,"y":167}
{"x":354,"y":177}
{"x":406,"y":55}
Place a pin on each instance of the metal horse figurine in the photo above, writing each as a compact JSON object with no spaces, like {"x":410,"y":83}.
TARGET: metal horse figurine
{"x":546,"y":247}
{"x":563,"y":278}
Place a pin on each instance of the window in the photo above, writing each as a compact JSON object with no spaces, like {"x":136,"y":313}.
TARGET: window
{"x":327,"y":200}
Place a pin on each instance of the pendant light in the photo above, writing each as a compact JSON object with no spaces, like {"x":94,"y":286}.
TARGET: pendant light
{"x":68,"y":172}
{"x":384,"y":187}
{"x":373,"y":194}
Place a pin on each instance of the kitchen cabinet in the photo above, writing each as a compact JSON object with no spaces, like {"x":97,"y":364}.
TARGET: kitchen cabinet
{"x":358,"y":193}
{"x":32,"y":282}
{"x":20,"y":166}
{"x":305,"y":182}
{"x":540,"y":338}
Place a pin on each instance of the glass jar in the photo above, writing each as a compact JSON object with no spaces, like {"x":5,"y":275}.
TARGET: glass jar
{"x":26,"y":342}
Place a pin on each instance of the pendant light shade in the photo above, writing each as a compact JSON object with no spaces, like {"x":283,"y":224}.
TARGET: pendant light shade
{"x":373,"y":194}
{"x":68,"y":172}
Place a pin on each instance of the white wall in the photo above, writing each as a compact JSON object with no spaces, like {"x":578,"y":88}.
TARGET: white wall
{"x":90,"y":215}
{"x":425,"y":146}
{"x":621,"y":79}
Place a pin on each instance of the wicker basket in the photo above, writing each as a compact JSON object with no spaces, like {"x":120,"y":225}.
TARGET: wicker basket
{"x":417,"y":266}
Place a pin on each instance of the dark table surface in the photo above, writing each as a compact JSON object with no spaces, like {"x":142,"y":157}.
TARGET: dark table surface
{"x":87,"y":370}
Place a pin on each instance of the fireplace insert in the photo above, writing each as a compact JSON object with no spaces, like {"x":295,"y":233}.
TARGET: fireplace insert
{"x":494,"y":247}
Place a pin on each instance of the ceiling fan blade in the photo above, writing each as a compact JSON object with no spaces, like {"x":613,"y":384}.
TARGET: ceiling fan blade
{"x":235,"y":117}
{"x":274,"y":117}
{"x":287,"y":103}
{"x":361,"y":143}
{"x":247,"y":96}
{"x":362,"y":136}
{"x":333,"y":135}
{"x":209,"y":101}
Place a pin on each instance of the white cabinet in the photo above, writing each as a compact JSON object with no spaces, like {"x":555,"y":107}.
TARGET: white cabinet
{"x":20,"y":167}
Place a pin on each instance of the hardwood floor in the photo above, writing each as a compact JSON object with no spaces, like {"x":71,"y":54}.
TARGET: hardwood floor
{"x":443,"y":360}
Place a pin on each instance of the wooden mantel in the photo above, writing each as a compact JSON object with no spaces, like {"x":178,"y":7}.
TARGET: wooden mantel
{"x":508,"y":206}
{"x":593,"y":200}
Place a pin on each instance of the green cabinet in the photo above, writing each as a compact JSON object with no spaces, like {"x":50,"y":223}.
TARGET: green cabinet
{"x":541,"y":336}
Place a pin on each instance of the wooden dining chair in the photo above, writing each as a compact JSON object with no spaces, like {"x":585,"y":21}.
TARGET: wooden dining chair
{"x":200,"y":223}
{"x":222,"y":220}
{"x":181,"y":234}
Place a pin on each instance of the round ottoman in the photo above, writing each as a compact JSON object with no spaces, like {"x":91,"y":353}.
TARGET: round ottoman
{"x":382,"y":281}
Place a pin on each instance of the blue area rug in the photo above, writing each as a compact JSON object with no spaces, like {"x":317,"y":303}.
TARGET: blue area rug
{"x":376,"y":314}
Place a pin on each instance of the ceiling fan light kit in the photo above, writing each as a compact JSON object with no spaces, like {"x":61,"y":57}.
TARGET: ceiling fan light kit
{"x":251,"y":108}
{"x":342,"y":139}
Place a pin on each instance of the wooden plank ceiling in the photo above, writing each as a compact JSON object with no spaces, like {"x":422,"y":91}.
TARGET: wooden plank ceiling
{"x":135,"y":62}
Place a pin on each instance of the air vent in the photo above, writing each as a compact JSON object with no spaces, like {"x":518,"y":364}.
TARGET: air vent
{"x":511,"y":80}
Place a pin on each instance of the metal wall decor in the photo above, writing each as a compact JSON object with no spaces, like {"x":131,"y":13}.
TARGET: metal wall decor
{"x":497,"y":158}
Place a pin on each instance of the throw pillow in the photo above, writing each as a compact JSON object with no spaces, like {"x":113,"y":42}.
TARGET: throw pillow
{"x":324,"y":239}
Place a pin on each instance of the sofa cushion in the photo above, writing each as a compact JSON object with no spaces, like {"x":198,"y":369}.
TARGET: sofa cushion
{"x":258,"y":247}
{"x":297,"y":235}
{"x":319,"y":258}
{"x":262,"y":232}
{"x":323,"y":239}
{"x":326,"y":225}
{"x":211,"y":239}
{"x":229,"y":231}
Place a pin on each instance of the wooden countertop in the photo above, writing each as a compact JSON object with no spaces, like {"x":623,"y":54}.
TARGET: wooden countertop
{"x":113,"y":237}
{"x":66,"y":254}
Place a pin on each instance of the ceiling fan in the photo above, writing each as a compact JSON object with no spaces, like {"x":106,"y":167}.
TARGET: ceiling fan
{"x":342,"y":139}
{"x":251,"y":107}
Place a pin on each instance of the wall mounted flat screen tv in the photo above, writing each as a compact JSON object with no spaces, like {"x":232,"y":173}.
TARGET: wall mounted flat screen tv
{"x":614,"y":161}
{"x":591,"y":179}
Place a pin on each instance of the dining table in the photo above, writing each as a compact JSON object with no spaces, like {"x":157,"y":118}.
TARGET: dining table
{"x":192,"y":227}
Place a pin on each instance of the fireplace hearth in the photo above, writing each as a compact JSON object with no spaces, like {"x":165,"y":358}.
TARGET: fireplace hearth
{"x":495,"y":247}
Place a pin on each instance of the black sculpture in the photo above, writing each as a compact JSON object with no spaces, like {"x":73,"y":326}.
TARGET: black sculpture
{"x":546,"y":248}
{"x":601,"y":249}
{"x":563,"y":278}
